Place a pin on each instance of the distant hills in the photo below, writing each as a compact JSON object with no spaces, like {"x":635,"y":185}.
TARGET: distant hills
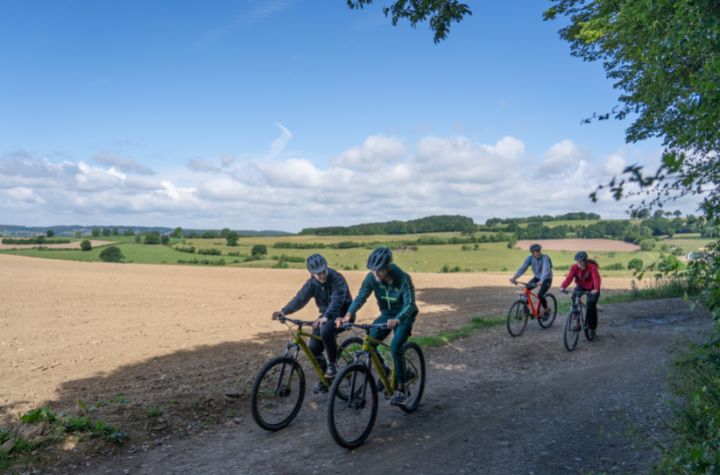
{"x":71,"y":230}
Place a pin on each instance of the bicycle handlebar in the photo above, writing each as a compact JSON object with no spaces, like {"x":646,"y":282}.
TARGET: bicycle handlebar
{"x":300,"y":323}
{"x":366,"y":327}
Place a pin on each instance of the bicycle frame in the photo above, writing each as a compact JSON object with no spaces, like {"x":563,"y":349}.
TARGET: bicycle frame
{"x":529,"y":296}
{"x":298,"y":343}
{"x":369,"y":348}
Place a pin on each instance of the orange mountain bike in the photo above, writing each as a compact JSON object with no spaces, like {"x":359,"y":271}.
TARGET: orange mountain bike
{"x":528,"y":306}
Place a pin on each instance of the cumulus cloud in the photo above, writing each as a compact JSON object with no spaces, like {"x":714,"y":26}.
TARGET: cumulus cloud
{"x":122,"y":164}
{"x":381,"y":178}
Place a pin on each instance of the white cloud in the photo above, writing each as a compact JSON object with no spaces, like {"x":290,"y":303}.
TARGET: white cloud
{"x":278,"y":145}
{"x":614,"y":165}
{"x":373,"y":153}
{"x":562,"y":158}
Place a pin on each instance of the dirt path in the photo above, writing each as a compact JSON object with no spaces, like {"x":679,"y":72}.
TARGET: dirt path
{"x":494,"y":405}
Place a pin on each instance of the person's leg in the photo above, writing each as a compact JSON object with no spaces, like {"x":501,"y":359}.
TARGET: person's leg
{"x":544,"y":287}
{"x":400,"y":337}
{"x":328,"y":332}
{"x":317,"y":347}
{"x":592,"y":314}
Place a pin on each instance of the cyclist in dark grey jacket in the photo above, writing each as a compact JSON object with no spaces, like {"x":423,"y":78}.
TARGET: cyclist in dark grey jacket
{"x":332,"y":297}
{"x":542,"y":272}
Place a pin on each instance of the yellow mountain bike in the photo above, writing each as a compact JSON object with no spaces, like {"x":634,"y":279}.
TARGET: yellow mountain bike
{"x":353,"y":399}
{"x":279,"y":387}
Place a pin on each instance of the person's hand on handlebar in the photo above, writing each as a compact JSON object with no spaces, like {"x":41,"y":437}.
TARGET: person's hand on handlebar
{"x":392,"y":323}
{"x":513,"y":280}
{"x":565,"y":291}
{"x":319,"y":322}
{"x":277,"y":315}
{"x":339,"y":322}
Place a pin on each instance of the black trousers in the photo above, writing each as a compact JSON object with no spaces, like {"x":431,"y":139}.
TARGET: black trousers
{"x":544,"y":287}
{"x":592,"y":301}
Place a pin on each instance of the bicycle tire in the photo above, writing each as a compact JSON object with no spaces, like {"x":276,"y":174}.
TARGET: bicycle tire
{"x":271,"y":389}
{"x":552,"y":306}
{"x":571,"y":334}
{"x":347,"y":349}
{"x":517,"y":318}
{"x":352,"y":391}
{"x":586,"y":327}
{"x":415,"y":376}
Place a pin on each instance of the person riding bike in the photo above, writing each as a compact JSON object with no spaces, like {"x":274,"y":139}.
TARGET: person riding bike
{"x":395,"y":295}
{"x":542,"y":273}
{"x":586,"y":276}
{"x":332,"y":296}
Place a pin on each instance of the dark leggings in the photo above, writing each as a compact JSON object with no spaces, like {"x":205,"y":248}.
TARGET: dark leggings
{"x":592,"y":301}
{"x":544,"y":287}
{"x":401,"y":333}
{"x":328,"y":333}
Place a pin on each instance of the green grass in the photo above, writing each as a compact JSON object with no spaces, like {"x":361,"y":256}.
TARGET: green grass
{"x":488,"y":257}
{"x":445,"y":337}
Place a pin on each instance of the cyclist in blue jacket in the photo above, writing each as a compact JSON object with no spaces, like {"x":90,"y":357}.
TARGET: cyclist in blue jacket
{"x":331,"y":293}
{"x":542,"y":273}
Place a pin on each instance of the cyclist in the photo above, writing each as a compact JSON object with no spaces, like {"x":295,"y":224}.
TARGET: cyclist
{"x":395,"y":296}
{"x":586,"y":276}
{"x":542,"y":274}
{"x":332,"y":296}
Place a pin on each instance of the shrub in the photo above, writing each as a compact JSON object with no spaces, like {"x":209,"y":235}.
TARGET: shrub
{"x":232,"y":238}
{"x":112,"y":254}
{"x":615,"y":266}
{"x":259,"y":250}
{"x":138,"y":239}
{"x":165,"y":239}
{"x":647,"y":244}
{"x":210,"y":252}
{"x":85,"y":245}
{"x":188,"y":249}
{"x":50,"y":233}
{"x":152,"y":238}
{"x":635,"y":265}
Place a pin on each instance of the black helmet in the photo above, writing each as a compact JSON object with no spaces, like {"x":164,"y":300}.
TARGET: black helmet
{"x":380,"y":258}
{"x":581,"y":256}
{"x":316,"y":264}
{"x":535,"y":247}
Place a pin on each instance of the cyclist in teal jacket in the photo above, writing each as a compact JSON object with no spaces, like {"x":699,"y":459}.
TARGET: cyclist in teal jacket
{"x":395,"y":295}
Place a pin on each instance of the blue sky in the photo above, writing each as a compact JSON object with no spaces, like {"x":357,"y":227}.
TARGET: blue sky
{"x":285,"y":114}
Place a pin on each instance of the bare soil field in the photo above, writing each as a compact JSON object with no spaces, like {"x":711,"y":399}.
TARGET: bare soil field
{"x":171,"y":337}
{"x":68,"y":245}
{"x":580,"y":245}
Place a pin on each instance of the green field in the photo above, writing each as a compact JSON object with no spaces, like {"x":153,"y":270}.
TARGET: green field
{"x":483,"y":257}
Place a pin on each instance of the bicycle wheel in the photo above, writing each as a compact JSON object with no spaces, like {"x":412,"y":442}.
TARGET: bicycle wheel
{"x":414,"y":376}
{"x":546,"y":322}
{"x":517,"y":318}
{"x":586,"y":329}
{"x":352,"y":406}
{"x":277,"y":393}
{"x":347,"y":349}
{"x":572,"y":331}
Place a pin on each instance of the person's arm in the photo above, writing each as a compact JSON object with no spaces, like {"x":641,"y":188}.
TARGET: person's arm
{"x":546,"y":268}
{"x":407,"y":289}
{"x":300,"y":300}
{"x":337,"y":296}
{"x":365,"y":290}
{"x":569,"y":278}
{"x":595,"y":278}
{"x":523,"y":267}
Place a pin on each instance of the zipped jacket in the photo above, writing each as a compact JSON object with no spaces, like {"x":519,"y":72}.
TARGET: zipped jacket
{"x":542,"y":267}
{"x":332,"y":298}
{"x":587,"y":279}
{"x":395,"y":300}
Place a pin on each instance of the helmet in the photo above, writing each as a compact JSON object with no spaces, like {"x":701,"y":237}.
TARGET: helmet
{"x":535,"y":248}
{"x":316,"y":264}
{"x":380,"y":258}
{"x":581,"y":256}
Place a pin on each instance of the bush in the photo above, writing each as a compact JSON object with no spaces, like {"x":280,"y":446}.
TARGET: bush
{"x":615,"y":266}
{"x":85,"y":245}
{"x":259,"y":250}
{"x":165,"y":239}
{"x":50,"y":233}
{"x":210,"y":252}
{"x":232,"y":238}
{"x":647,"y":244}
{"x":188,"y":249}
{"x":152,"y":238}
{"x":112,"y":254}
{"x":138,"y":239}
{"x":635,"y":265}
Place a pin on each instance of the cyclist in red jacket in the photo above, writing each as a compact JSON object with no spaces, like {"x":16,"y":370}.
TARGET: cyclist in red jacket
{"x":586,"y":276}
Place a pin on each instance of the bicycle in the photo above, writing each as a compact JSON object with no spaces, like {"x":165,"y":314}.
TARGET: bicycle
{"x":353,"y":399}
{"x":577,"y":319}
{"x":279,"y":387}
{"x":528,"y":306}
